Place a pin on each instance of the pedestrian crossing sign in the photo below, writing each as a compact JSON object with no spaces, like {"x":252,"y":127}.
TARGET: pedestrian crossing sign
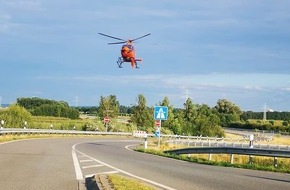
{"x":160,"y":112}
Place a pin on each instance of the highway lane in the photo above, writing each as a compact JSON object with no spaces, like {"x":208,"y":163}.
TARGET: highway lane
{"x":38,"y":164}
{"x":113,"y":157}
{"x":49,"y":164}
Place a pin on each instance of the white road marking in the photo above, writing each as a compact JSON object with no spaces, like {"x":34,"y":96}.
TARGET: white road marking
{"x":85,"y":161}
{"x":127,"y":147}
{"x":79,"y":174}
{"x":119,"y":170}
{"x":110,"y":172}
{"x":89,"y":175}
{"x":92,"y":166}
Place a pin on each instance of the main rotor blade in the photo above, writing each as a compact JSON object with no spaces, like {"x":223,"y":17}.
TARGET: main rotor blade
{"x":111,"y":37}
{"x":117,"y":43}
{"x":141,"y":37}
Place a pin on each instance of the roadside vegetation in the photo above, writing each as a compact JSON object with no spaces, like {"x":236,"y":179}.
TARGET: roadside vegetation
{"x":123,"y":183}
{"x":240,"y":161}
{"x":191,"y":120}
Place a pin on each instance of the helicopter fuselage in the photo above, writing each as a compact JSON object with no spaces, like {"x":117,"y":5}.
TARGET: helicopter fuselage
{"x":128,"y":52}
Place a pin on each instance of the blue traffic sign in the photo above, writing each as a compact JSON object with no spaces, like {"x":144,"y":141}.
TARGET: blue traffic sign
{"x":160,"y":113}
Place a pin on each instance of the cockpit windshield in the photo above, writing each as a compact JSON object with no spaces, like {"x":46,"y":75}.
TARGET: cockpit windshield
{"x":130,"y":47}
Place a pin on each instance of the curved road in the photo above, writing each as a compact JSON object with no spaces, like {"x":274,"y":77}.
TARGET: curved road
{"x":60,"y":163}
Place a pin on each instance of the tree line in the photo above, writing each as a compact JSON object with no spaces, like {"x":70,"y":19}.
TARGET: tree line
{"x":192,"y":119}
{"x":284,"y":116}
{"x":44,"y":107}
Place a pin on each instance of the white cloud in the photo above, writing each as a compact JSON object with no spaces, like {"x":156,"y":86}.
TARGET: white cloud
{"x":229,"y":82}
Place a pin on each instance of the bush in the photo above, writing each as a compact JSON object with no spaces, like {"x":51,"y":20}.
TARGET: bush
{"x":271,"y":122}
{"x":15,"y":116}
{"x":257,"y":126}
{"x":285,"y":123}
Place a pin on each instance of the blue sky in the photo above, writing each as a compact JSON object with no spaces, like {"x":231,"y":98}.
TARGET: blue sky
{"x":206,"y":50}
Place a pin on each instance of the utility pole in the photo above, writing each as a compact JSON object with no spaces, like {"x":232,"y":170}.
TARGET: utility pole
{"x":186,"y":94}
{"x":76,"y":101}
{"x":0,"y":101}
{"x":265,"y":112}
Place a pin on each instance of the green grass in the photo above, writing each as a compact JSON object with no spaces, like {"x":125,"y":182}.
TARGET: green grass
{"x":123,"y":183}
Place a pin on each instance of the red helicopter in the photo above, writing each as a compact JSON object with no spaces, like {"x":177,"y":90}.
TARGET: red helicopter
{"x":127,"y":50}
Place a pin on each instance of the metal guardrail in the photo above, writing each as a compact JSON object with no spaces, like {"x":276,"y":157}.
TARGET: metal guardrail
{"x":232,"y":150}
{"x":51,"y":131}
{"x":221,"y":143}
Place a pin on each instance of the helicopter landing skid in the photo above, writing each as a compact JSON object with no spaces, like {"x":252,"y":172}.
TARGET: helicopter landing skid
{"x":120,"y":62}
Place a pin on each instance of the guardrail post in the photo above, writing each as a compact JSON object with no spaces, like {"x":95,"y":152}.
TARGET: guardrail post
{"x":251,"y":145}
{"x":275,"y":162}
{"x":145,"y":143}
{"x":232,"y":158}
{"x":209,"y":157}
{"x":251,"y":159}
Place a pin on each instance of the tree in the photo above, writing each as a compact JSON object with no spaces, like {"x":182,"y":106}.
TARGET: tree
{"x":189,"y":116}
{"x":200,"y":120}
{"x":45,"y":107}
{"x":108,"y":106}
{"x":15,"y":116}
{"x":142,"y":115}
{"x":207,"y":122}
{"x":228,"y":112}
{"x":178,"y":121}
{"x":56,"y":110}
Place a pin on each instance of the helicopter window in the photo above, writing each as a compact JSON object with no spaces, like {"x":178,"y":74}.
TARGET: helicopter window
{"x":128,"y":46}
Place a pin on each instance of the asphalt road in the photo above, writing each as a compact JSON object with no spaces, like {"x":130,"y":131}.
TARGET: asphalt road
{"x":173,"y":174}
{"x":60,"y":163}
{"x":37,"y":164}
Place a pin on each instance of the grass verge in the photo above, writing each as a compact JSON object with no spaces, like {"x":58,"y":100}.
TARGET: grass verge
{"x":265,"y":164}
{"x":123,"y":183}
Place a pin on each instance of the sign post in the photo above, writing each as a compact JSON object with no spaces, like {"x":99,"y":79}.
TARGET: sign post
{"x":106,"y":120}
{"x":160,"y":113}
{"x":251,"y":145}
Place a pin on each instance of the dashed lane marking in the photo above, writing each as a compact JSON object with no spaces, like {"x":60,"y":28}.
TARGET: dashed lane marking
{"x":92,"y":166}
{"x":81,"y":161}
{"x":110,"y":172}
{"x":117,"y":170}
